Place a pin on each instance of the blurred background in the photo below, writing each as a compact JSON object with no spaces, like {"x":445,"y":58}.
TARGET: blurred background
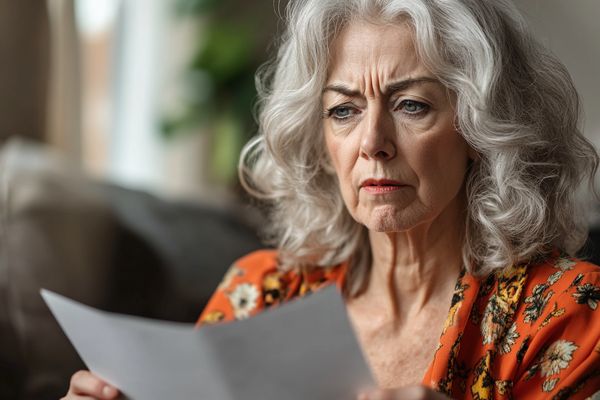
{"x":158,"y":94}
{"x":152,"y":94}
{"x":122,"y":121}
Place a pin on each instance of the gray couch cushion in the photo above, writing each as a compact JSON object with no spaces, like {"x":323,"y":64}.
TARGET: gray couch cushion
{"x":110,"y":247}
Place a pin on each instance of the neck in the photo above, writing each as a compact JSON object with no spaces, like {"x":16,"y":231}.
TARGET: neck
{"x":413,"y":268}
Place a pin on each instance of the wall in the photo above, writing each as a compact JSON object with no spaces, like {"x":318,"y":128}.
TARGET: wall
{"x":571,"y":29}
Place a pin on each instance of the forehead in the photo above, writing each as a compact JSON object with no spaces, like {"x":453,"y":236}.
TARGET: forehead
{"x":384,"y":51}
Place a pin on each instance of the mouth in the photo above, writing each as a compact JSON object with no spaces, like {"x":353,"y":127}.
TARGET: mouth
{"x":381,"y":185}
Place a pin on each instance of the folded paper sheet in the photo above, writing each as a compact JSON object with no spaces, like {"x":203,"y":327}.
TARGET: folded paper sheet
{"x":305,"y":349}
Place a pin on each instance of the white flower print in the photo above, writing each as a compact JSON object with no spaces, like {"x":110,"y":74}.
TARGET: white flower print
{"x":555,"y":277}
{"x":564,"y":264}
{"x":557,"y":357}
{"x":243,"y":299}
{"x":549,"y":385}
{"x":509,"y":339}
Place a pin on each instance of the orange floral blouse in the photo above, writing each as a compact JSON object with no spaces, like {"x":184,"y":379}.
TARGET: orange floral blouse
{"x":529,"y":333}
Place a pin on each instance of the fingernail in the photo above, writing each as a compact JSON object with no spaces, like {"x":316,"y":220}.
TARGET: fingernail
{"x":108,"y":391}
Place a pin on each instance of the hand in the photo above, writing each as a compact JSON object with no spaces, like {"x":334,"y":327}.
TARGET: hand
{"x":85,"y":385}
{"x":406,"y":393}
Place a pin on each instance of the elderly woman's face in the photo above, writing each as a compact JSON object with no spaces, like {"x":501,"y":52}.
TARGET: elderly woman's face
{"x":389,"y":130}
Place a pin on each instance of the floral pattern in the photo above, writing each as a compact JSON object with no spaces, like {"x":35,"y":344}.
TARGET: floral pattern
{"x":557,"y":357}
{"x":530,"y":332}
{"x":501,"y":306}
{"x":457,"y":297}
{"x":564,"y":263}
{"x":556,"y":312}
{"x":243,"y":300}
{"x":455,"y":370}
{"x":273,"y":288}
{"x":214,"y":317}
{"x":536,"y":303}
{"x":549,"y":385}
{"x":230,"y":275}
{"x":523,"y":349}
{"x":509,"y":340}
{"x":503,"y":388}
{"x":483,"y":385}
{"x":588,"y":294}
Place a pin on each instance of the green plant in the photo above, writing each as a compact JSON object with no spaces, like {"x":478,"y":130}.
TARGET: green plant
{"x":219,"y":79}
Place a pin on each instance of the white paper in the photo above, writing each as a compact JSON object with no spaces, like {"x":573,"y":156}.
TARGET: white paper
{"x":305,"y":349}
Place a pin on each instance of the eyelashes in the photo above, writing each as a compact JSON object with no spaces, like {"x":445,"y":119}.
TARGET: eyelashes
{"x":408,"y":108}
{"x":413,"y":107}
{"x":342,"y":112}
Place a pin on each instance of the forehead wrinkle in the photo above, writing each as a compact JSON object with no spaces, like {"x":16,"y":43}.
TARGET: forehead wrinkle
{"x":367,"y":61}
{"x":394,"y":85}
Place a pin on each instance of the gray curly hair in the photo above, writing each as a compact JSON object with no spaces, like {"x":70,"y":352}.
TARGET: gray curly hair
{"x":516,"y":107}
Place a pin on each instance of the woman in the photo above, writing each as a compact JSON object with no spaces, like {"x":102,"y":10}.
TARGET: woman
{"x":424,"y":156}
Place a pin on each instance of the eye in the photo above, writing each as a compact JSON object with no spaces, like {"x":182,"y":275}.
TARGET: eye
{"x":342,"y":112}
{"x":412,"y":107}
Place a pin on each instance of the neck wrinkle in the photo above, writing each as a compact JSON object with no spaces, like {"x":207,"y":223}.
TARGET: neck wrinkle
{"x":392,"y":284}
{"x":409,"y":269}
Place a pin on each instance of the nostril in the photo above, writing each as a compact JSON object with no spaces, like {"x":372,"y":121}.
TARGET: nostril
{"x":383,"y":150}
{"x":382,"y":154}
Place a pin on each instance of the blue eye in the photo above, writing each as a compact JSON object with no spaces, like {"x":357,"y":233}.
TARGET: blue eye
{"x":413,"y":107}
{"x":341,"y":112}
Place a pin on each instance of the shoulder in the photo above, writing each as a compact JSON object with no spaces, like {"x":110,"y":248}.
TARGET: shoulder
{"x":535,"y":328}
{"x":559,"y":324}
{"x":560,"y":281}
{"x":529,"y":292}
{"x":238,"y":295}
{"x":559,"y":286}
{"x":559,"y":271}
{"x":263,"y":258}
{"x":256,"y":282}
{"x":251,"y":267}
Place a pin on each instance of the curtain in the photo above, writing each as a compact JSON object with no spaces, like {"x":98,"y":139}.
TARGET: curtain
{"x":24,"y":68}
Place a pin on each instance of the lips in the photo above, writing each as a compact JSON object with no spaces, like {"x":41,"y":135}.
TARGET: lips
{"x":381,"y":186}
{"x":380,"y":182}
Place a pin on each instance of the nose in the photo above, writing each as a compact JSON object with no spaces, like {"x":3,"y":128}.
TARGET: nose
{"x":378,"y":138}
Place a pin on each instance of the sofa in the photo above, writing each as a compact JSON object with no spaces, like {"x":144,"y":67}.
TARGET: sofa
{"x":113,"y":248}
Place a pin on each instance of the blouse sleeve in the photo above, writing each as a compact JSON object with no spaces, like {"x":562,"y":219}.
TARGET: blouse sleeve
{"x":239,"y":295}
{"x":563,"y":357}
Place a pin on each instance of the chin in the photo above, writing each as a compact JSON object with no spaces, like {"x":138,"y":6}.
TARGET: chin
{"x":391,"y":220}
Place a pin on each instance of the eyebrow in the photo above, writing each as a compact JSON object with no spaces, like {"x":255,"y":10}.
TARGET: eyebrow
{"x":389,"y":89}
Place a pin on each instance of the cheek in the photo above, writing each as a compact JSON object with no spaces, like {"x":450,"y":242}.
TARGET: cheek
{"x":443,"y":164}
{"x":343,"y":158}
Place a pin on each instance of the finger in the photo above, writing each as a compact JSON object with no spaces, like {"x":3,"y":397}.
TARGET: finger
{"x":85,"y":383}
